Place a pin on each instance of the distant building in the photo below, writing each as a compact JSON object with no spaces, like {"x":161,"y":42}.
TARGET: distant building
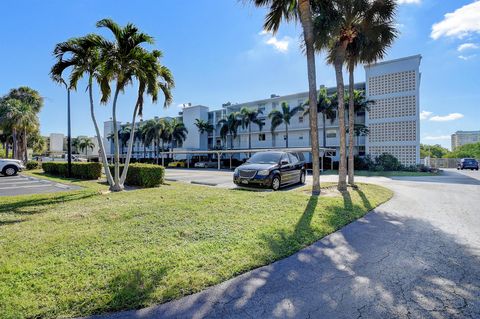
{"x":393,"y":120}
{"x":460,"y":138}
{"x":56,"y":143}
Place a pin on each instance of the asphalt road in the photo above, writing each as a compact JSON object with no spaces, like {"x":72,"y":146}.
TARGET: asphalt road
{"x":23,"y":185}
{"x":416,"y":256}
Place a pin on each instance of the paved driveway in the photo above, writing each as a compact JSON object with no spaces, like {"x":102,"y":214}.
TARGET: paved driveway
{"x":22,"y":185}
{"x":417,"y":256}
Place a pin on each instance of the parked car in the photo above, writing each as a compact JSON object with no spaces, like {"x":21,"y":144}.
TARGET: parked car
{"x":180,"y":163}
{"x":10,"y":167}
{"x":271,"y":169}
{"x":204,"y":164}
{"x":468,"y":163}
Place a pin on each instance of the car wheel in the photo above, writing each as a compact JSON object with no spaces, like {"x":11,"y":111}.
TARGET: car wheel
{"x":10,"y":171}
{"x":302,"y":177}
{"x":276,"y":183}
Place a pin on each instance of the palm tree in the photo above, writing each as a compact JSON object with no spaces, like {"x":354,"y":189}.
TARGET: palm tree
{"x":283,"y":117}
{"x":21,"y":119}
{"x":299,"y":10}
{"x":124,"y":134}
{"x":203,"y":126}
{"x":179,"y":131}
{"x":377,"y":33}
{"x":76,"y":143}
{"x":82,"y":55}
{"x":248,"y":117}
{"x":229,"y":127}
{"x":153,"y":133}
{"x":126,"y":61}
{"x":84,"y":144}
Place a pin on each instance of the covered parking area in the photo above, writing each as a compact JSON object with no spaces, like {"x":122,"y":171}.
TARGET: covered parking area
{"x":324,"y":152}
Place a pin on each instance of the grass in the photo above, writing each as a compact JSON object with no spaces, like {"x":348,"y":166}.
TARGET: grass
{"x":80,"y":253}
{"x":383,"y":174}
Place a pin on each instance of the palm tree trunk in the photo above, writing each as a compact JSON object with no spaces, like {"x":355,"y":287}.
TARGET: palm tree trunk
{"x":286,"y":135}
{"x":144,"y":151}
{"x":163,"y":155}
{"x":116,"y":178}
{"x":307,"y":25}
{"x":14,"y":143}
{"x":351,"y":126}
{"x":25,"y":144}
{"x":342,"y":169}
{"x":103,"y":154}
{"x":130,"y":147}
{"x":7,"y":149}
{"x":324,"y":130}
{"x":155,"y":146}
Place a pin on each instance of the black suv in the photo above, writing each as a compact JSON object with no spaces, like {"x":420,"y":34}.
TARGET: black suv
{"x":468,"y":163}
{"x":271,"y":169}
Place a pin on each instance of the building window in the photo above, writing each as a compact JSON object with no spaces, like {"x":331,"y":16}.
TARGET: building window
{"x":300,"y":102}
{"x":261,"y":137}
{"x":274,"y":105}
{"x":331,"y":133}
{"x":261,"y":108}
{"x":359,"y":114}
{"x":284,"y":137}
{"x":300,"y":137}
{"x":334,"y":115}
{"x":300,"y":119}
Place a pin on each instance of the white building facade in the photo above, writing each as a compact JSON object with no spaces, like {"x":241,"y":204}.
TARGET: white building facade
{"x":393,"y":119}
{"x":460,"y":138}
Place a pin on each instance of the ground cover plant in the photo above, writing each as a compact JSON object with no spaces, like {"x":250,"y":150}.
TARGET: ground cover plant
{"x":83,"y":252}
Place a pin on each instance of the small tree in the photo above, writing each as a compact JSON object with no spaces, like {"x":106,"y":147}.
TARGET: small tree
{"x":278,"y":118}
{"x":85,"y":144}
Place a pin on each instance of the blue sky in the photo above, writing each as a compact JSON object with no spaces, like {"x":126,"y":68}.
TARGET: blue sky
{"x":217,"y":53}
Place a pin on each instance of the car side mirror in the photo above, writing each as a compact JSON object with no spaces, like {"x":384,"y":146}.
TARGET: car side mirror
{"x":283,"y":162}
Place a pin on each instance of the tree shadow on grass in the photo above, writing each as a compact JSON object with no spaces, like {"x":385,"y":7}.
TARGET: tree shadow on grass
{"x":36,"y":205}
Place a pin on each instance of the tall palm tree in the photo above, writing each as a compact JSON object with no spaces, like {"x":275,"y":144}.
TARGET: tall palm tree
{"x":82,"y":56}
{"x":295,"y":10}
{"x":376,"y":34}
{"x":85,"y":144}
{"x":250,"y":116}
{"x":76,"y":143}
{"x":278,"y":118}
{"x":178,"y":131}
{"x":153,"y":134}
{"x":229,"y":127}
{"x":125,"y":61}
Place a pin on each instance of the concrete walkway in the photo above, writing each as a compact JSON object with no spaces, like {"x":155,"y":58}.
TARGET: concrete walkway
{"x":417,"y":256}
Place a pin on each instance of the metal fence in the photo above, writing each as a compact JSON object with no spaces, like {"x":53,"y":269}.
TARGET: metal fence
{"x":442,"y":162}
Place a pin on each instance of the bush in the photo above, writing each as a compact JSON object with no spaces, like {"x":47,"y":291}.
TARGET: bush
{"x":388,"y":162}
{"x":360,"y":163}
{"x":79,"y":170}
{"x":32,"y":165}
{"x":143,"y":175}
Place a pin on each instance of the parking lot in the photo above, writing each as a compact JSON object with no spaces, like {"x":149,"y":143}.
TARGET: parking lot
{"x":23,"y":185}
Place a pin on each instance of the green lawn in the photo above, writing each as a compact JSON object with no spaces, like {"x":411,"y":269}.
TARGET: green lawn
{"x":384,"y":174}
{"x":83,"y":252}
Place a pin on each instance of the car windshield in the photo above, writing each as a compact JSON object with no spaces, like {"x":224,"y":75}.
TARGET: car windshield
{"x":469,"y":161}
{"x":265,"y":158}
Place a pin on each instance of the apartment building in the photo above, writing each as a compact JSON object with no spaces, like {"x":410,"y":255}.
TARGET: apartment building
{"x":460,"y":138}
{"x":393,"y":119}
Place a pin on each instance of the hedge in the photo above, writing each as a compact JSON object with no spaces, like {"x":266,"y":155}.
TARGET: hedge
{"x":144,"y":175}
{"x":79,"y":170}
{"x":33,"y":165}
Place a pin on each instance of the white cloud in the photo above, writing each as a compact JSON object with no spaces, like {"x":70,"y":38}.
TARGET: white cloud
{"x":409,"y":1}
{"x":445,"y":118}
{"x":280,"y":45}
{"x":467,"y":46}
{"x":436,"y":138}
{"x":460,"y":23}
{"x":467,"y":57}
{"x":425,"y":115}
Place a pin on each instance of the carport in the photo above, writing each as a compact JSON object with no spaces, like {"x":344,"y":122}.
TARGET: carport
{"x":324,"y":152}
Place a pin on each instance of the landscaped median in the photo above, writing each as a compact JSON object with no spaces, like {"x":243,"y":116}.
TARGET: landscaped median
{"x":80,"y":253}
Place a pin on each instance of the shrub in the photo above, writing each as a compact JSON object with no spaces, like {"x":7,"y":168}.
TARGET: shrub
{"x":32,"y":165}
{"x":388,"y":162}
{"x":79,"y":170}
{"x":143,"y":175}
{"x":360,"y":163}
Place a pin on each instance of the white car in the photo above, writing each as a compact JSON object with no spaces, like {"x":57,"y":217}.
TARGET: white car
{"x":206,"y":164}
{"x":10,"y":167}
